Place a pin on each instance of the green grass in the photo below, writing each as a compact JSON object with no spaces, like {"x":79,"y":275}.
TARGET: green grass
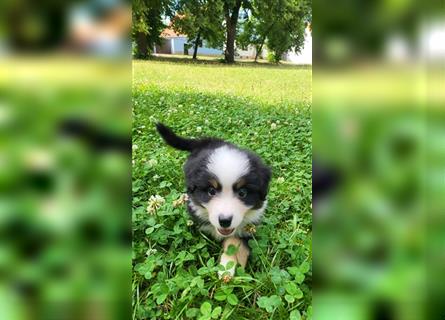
{"x":265,"y":83}
{"x":175,"y":267}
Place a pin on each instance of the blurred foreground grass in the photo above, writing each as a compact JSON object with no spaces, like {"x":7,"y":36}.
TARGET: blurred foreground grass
{"x":64,"y":215}
{"x":378,"y":245}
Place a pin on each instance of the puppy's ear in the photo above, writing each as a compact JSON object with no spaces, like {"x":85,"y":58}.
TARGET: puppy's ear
{"x":265,"y":174}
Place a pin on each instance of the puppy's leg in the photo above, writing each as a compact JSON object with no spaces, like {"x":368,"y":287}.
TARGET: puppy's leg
{"x":226,"y":258}
{"x":240,"y":257}
{"x":243,"y":253}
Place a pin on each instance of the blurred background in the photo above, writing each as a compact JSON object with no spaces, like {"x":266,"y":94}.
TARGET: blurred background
{"x":65,"y":120}
{"x":378,"y":159}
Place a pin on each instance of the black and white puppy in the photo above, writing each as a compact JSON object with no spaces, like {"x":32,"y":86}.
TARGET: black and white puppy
{"x":227,"y":188}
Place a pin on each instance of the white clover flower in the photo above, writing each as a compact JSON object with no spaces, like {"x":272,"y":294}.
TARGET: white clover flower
{"x":273,"y":126}
{"x":199,"y":129}
{"x":280,"y":180}
{"x":134,"y":147}
{"x":180,"y":201}
{"x":154,"y":203}
{"x":152,"y":162}
{"x":151,"y":251}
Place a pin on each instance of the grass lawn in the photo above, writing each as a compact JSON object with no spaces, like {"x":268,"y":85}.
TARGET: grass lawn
{"x":266,"y":83}
{"x":263,"y":108}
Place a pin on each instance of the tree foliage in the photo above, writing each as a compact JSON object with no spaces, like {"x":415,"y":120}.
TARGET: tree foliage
{"x":278,"y":23}
{"x":199,"y":20}
{"x":148,"y":23}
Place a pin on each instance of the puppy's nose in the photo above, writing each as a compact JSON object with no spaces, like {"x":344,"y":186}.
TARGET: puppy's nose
{"x":225,"y":221}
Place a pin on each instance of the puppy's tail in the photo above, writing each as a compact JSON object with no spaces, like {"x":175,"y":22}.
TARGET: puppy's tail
{"x":177,"y":142}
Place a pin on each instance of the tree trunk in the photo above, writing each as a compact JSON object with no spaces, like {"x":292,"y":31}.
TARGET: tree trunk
{"x":195,"y":49}
{"x":263,"y":40}
{"x":231,"y":17}
{"x":142,"y":44}
{"x":259,"y":50}
{"x":230,"y":44}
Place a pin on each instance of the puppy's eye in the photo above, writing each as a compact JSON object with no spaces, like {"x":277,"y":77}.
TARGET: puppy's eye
{"x":242,"y":193}
{"x":211,"y":191}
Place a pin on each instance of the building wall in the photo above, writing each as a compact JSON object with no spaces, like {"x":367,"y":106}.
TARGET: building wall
{"x":207,"y":51}
{"x":249,"y":53}
{"x":305,"y":56}
{"x":178,"y":43}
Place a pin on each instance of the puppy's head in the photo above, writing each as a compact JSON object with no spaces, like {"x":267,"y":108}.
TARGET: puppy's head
{"x":230,"y":183}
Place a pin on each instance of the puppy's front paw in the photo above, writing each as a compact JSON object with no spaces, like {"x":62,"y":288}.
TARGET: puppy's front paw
{"x":229,"y":264}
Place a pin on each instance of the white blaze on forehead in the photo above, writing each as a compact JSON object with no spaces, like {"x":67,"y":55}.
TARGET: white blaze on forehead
{"x":228,"y":164}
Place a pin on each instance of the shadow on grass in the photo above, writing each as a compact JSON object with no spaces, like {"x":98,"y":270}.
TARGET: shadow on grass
{"x":220,"y":62}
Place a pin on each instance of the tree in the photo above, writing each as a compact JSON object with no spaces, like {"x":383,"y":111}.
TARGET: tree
{"x":148,"y":23}
{"x":278,"y":23}
{"x":250,"y":35}
{"x":289,"y":31}
{"x":258,"y":24}
{"x":199,"y":20}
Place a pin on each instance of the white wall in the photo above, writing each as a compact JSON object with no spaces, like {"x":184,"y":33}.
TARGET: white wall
{"x":207,"y":51}
{"x":249,"y":53}
{"x":178,"y":45}
{"x":178,"y":48}
{"x":305,"y":56}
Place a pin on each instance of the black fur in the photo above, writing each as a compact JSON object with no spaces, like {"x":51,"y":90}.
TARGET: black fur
{"x":186,"y":144}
